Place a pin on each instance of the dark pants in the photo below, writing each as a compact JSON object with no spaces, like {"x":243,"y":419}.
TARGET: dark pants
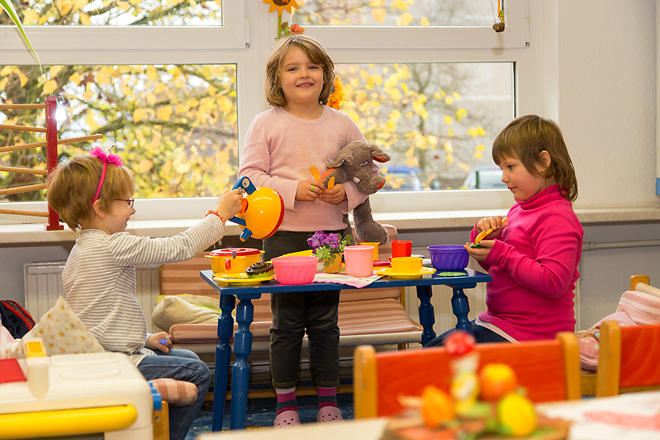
{"x":295,"y":313}
{"x":482,"y":335}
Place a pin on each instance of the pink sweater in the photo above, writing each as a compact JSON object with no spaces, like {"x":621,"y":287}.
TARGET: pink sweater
{"x":277,"y":153}
{"x":534,"y":268}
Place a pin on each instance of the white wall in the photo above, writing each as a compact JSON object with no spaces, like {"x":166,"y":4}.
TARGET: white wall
{"x":600,"y":86}
{"x":607,"y":98}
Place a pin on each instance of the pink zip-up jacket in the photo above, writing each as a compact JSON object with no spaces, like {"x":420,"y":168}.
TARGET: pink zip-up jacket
{"x":534,"y":265}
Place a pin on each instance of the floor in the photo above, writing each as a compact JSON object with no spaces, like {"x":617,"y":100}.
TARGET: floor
{"x":261,"y":413}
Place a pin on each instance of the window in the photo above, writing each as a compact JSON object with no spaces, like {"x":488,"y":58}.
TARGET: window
{"x":435,"y":90}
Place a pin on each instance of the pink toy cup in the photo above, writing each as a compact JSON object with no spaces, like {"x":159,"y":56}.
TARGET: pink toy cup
{"x":401,"y":248}
{"x":359,"y":261}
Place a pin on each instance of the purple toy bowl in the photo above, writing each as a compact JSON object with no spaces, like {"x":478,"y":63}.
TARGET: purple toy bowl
{"x":295,"y":269}
{"x":449,"y":257}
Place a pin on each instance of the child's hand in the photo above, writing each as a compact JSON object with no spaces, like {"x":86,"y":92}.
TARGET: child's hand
{"x":480,"y":254}
{"x":229,"y":203}
{"x":309,"y":190}
{"x":494,"y":223}
{"x":335,"y":195}
{"x":155,"y":342}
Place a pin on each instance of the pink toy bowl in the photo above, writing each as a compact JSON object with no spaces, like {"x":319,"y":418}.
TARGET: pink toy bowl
{"x":449,"y":257}
{"x":295,"y":269}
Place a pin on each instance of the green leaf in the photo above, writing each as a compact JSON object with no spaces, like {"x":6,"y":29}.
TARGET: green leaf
{"x":7,"y":6}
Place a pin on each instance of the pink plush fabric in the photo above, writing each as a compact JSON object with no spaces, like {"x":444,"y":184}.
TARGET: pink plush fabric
{"x":634,"y":308}
{"x":641,"y":307}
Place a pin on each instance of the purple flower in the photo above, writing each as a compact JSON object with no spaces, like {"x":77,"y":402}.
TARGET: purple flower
{"x":317,"y":240}
{"x":332,"y":240}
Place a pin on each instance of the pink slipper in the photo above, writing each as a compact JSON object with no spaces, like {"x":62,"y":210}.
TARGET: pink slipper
{"x":286,"y":419}
{"x":329,"y":414}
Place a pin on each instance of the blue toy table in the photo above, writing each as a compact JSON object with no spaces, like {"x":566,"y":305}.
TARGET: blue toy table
{"x":245,"y":314}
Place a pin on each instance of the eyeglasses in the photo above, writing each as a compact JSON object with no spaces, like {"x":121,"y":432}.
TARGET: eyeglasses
{"x":129,"y":201}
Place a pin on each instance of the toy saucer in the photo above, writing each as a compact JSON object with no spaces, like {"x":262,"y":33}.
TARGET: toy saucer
{"x":241,"y":279}
{"x":381,"y":263}
{"x":403,"y":275}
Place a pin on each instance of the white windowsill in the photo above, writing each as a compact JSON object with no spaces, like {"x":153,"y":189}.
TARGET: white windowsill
{"x":427,"y":220}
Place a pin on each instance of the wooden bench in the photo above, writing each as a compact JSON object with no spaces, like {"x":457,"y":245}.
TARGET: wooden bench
{"x":370,"y":316}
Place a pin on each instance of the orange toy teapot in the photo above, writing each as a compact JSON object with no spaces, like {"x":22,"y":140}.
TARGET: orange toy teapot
{"x":263,"y":209}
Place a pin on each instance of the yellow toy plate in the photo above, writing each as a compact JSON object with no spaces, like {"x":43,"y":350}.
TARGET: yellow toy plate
{"x":404,"y":276}
{"x":241,"y":279}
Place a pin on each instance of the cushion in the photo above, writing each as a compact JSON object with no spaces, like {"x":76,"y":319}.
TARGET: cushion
{"x":5,"y":339}
{"x":184,"y":309}
{"x":61,"y":331}
{"x":384,"y":316}
{"x":176,"y":392}
{"x":641,"y":307}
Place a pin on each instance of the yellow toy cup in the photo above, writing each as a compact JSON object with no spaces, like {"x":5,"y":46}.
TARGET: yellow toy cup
{"x":374,"y":245}
{"x":406,"y":264}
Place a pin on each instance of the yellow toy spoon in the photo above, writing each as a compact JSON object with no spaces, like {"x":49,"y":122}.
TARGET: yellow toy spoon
{"x":484,"y":234}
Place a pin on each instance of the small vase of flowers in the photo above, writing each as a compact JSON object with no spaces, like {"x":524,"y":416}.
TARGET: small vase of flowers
{"x":328,"y":248}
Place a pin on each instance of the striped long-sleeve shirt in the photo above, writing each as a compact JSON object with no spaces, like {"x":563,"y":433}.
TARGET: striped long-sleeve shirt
{"x":99,"y":279}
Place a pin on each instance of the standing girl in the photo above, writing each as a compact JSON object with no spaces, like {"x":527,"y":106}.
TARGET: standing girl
{"x":533,"y":258}
{"x":280,"y":145}
{"x":95,"y":193}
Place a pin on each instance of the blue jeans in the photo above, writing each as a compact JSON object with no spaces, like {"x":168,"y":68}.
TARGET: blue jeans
{"x":180,"y":365}
{"x":482,"y":335}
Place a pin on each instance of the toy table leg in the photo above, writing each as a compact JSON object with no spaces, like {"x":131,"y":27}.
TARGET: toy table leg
{"x":461,"y":307}
{"x":426,"y":313}
{"x":222,"y":358}
{"x":241,"y":371}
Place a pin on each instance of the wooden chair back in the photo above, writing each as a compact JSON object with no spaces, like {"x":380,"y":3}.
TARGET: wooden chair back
{"x":549,"y":370}
{"x":628,"y":359}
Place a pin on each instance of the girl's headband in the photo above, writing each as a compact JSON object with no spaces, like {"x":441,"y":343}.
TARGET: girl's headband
{"x":106,"y":158}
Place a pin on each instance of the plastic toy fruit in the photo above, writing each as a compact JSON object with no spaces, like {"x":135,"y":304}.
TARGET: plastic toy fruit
{"x":437,"y":407}
{"x":496,"y":380}
{"x":516,"y":415}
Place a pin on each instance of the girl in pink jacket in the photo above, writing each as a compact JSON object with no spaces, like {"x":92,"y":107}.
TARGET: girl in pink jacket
{"x":533,"y":258}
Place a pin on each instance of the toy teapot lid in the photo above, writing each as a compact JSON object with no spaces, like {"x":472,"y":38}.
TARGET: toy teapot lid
{"x":239,"y":252}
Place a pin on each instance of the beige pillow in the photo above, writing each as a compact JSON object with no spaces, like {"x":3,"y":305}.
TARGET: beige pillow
{"x":172,"y":309}
{"x":61,"y":331}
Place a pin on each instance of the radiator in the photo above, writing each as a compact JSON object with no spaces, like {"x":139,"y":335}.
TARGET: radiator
{"x":43,"y":285}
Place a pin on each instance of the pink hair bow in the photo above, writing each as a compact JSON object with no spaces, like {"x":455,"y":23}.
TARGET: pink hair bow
{"x":106,"y":157}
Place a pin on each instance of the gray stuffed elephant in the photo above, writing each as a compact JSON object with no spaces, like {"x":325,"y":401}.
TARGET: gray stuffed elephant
{"x":354,"y":163}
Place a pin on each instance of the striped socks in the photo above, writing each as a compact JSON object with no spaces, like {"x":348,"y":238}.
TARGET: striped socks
{"x":286,"y":400}
{"x":327,"y":397}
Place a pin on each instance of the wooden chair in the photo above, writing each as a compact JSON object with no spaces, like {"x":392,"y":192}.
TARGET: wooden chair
{"x":627,"y":359}
{"x":50,"y":145}
{"x":549,"y":370}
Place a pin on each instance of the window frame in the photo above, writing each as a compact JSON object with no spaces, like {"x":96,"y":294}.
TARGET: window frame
{"x":247,"y":40}
{"x":73,"y":39}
